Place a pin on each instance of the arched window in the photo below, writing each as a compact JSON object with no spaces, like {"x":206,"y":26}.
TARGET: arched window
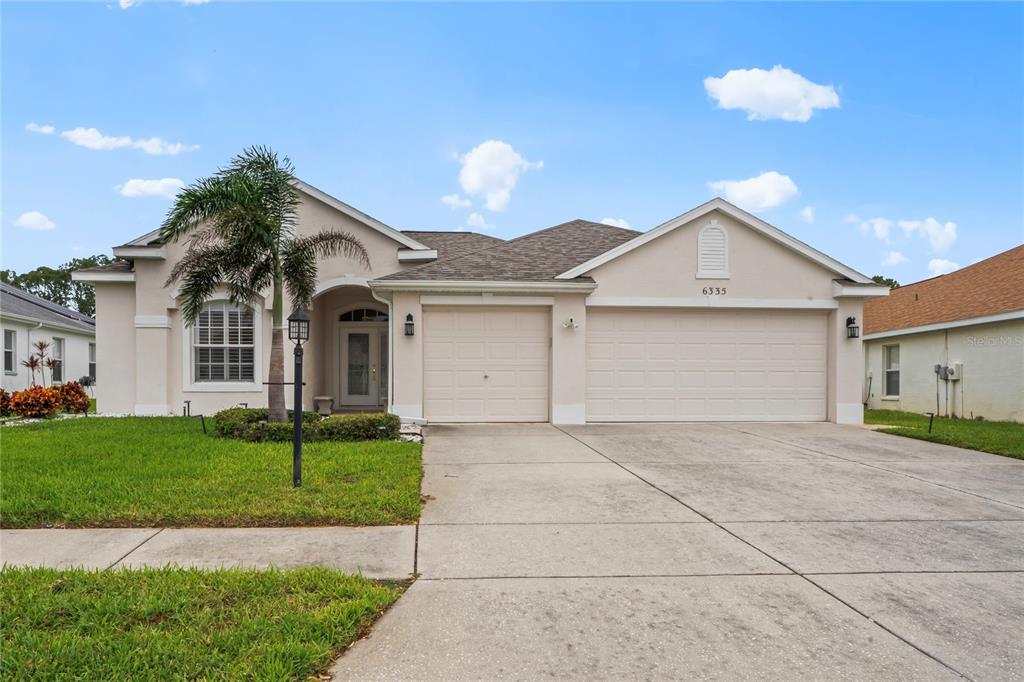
{"x":363,"y":315}
{"x":713,"y":252}
{"x":224,"y":343}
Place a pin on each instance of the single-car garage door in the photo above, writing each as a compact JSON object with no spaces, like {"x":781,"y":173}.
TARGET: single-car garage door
{"x":484,"y":364}
{"x":722,"y":365}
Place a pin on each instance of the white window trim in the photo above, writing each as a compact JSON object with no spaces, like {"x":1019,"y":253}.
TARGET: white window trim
{"x":91,"y":364}
{"x":13,"y":372}
{"x":188,"y":383}
{"x":886,"y":370}
{"x":712,"y":274}
{"x":63,"y":352}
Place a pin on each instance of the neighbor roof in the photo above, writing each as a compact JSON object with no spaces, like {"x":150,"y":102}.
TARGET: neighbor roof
{"x":18,"y":303}
{"x":450,"y":244}
{"x":536,"y":257}
{"x":116,"y":265}
{"x":990,"y":287}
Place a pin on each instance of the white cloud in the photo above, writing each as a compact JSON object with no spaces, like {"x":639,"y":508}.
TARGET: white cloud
{"x":194,"y":2}
{"x":895,"y":258}
{"x":125,"y":4}
{"x":34,"y":220}
{"x":164,"y":187}
{"x":807,"y":214}
{"x":491,"y":170}
{"x":476,"y":220}
{"x":91,"y":138}
{"x":767,"y":190}
{"x":880,"y":227}
{"x":764,"y":95}
{"x":44,"y":129}
{"x":941,"y":266}
{"x":617,"y":222}
{"x":456,"y":201}
{"x":940,"y":236}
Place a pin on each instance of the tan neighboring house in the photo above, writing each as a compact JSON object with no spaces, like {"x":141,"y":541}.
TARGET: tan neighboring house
{"x":713,"y":315}
{"x":953,"y":344}
{"x":26,"y":319}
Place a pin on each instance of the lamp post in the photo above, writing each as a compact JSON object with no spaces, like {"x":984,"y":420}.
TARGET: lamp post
{"x":298,"y":332}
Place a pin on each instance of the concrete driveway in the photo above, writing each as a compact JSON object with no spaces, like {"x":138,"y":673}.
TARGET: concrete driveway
{"x":725,"y":551}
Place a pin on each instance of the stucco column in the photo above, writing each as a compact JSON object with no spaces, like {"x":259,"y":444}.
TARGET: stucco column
{"x":407,"y":357}
{"x":846,"y":365}
{"x":569,"y":359}
{"x":151,"y":341}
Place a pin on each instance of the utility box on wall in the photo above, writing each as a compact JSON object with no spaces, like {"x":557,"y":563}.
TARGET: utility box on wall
{"x":955,"y":371}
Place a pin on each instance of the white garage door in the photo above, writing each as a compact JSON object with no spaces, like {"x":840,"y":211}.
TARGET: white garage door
{"x":679,"y":365}
{"x":485,"y":364}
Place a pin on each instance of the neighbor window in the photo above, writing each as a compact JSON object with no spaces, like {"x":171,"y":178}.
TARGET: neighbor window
{"x":223,"y":343}
{"x":10,"y":351}
{"x":713,"y":252}
{"x":57,"y":373}
{"x":891,"y":362}
{"x":92,"y":361}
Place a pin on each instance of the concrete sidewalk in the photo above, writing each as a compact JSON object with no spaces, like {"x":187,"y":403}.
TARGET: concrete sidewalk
{"x":383,"y":552}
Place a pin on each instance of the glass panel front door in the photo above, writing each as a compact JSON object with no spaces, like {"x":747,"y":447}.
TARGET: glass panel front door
{"x":363,"y":375}
{"x":358,"y":364}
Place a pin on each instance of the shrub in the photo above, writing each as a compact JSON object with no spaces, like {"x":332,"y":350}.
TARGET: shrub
{"x":73,"y":397}
{"x":37,"y":402}
{"x":250,"y":424}
{"x":367,"y":426}
{"x":5,"y":403}
{"x":243,"y":423}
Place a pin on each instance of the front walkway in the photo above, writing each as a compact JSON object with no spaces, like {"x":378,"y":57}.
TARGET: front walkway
{"x":375,"y":551}
{"x":694,"y":551}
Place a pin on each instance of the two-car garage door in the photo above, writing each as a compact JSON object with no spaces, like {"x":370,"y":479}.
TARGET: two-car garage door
{"x":722,"y":365}
{"x":492,"y":364}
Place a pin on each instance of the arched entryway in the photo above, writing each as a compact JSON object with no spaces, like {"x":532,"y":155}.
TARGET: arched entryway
{"x":351,"y":349}
{"x":362,"y":352}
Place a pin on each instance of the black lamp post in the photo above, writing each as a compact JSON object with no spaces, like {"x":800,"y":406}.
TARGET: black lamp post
{"x":298,"y":333}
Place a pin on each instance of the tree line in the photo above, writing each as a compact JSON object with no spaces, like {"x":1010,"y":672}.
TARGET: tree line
{"x":55,"y":284}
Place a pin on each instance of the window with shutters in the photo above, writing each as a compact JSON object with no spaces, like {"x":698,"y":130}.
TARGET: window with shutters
{"x":224,"y":343}
{"x":713,"y":252}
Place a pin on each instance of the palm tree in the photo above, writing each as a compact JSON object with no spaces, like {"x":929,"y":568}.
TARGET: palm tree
{"x":241,"y":224}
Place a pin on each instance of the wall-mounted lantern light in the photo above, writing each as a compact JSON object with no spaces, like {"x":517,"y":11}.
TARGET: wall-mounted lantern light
{"x":852,"y":330}
{"x":570,"y":324}
{"x":410,"y":326}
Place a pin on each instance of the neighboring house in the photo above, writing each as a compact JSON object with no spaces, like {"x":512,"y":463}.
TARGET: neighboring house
{"x":26,"y":319}
{"x":970,"y":322}
{"x":714,"y":315}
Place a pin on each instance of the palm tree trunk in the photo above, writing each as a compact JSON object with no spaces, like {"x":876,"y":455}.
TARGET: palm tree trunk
{"x":275,"y":389}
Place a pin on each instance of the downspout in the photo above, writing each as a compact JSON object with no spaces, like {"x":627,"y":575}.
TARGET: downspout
{"x":391,"y":349}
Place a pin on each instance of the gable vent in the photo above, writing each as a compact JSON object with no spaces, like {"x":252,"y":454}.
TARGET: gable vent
{"x":713,"y":252}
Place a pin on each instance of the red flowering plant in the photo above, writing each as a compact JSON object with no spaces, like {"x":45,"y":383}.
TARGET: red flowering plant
{"x":73,"y":397}
{"x":36,"y":402}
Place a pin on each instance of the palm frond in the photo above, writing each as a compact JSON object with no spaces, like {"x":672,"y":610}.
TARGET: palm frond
{"x":299,"y":261}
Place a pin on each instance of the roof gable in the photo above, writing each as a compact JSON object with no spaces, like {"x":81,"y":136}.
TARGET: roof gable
{"x":737,"y":214}
{"x":994,"y":286}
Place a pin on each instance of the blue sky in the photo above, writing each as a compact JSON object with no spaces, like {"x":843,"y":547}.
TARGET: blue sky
{"x":913,"y":142}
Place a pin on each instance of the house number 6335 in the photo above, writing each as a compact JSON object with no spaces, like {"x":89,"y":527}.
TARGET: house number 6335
{"x":713,"y":291}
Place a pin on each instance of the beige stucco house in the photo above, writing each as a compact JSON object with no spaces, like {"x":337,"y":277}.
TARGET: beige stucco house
{"x":713,"y":315}
{"x":952,"y":345}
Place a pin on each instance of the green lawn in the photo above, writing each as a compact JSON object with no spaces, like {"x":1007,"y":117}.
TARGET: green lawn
{"x":1000,"y":438}
{"x":163,"y":471}
{"x":177,"y":623}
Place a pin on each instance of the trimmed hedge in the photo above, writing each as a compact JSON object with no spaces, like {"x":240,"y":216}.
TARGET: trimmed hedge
{"x":251,"y":424}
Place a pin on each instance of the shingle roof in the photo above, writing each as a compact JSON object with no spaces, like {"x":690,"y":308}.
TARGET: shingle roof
{"x":989,"y":287}
{"x":14,"y":301}
{"x":113,"y":266}
{"x":452,"y":244}
{"x":536,"y":257}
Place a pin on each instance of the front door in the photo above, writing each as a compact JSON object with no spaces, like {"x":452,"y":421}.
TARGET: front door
{"x":363,"y":380}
